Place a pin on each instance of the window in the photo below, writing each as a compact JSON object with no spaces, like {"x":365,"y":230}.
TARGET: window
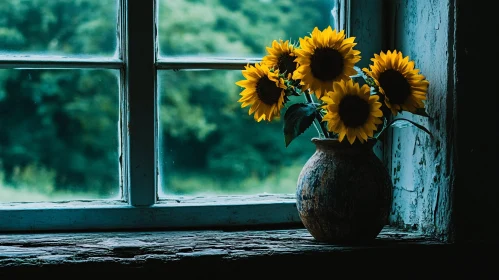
{"x":104,"y":117}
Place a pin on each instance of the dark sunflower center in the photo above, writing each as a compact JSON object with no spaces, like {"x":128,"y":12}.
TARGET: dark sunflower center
{"x":354,"y":111}
{"x":267,"y":91}
{"x":396,"y":87}
{"x":286,"y":63}
{"x":326,"y":64}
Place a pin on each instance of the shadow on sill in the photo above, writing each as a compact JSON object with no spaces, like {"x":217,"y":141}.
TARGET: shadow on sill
{"x":215,"y":250}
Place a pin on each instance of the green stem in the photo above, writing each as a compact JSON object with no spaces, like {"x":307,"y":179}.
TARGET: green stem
{"x":318,"y":118}
{"x":409,"y":121}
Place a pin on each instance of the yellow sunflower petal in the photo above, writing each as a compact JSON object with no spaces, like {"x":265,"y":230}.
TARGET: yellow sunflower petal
{"x":391,"y":68}
{"x":342,"y":114}
{"x":342,"y":134}
{"x":266,"y":101}
{"x":318,"y":76}
{"x":350,"y":135}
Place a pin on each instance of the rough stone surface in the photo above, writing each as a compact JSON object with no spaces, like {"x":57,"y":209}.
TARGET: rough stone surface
{"x":344,"y":192}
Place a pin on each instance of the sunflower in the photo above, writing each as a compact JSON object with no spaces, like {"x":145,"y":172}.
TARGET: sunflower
{"x":352,"y":111}
{"x":264,"y":91}
{"x":281,"y":56}
{"x":323,"y":58}
{"x":403,"y":88}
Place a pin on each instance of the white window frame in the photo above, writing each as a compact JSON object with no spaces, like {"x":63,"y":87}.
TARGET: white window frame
{"x":140,"y":206}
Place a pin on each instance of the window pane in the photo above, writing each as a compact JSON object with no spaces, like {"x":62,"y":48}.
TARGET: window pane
{"x":236,"y":28}
{"x":210,"y":145}
{"x":58,"y":27}
{"x":59,"y":135}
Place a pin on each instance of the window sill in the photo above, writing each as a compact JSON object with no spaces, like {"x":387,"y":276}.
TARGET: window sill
{"x":214,"y":250}
{"x":174,"y":213}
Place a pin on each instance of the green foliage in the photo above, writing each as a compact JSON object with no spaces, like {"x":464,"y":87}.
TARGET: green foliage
{"x":58,"y":27}
{"x":297,"y":119}
{"x":59,"y":128}
{"x":223,"y":27}
{"x":64,"y":121}
{"x":32,"y":176}
{"x":187,"y":183}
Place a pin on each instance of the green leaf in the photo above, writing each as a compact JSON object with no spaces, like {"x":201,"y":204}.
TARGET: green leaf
{"x":360,"y":73}
{"x":367,"y":79}
{"x":297,"y":119}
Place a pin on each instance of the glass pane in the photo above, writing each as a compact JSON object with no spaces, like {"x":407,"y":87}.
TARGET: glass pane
{"x":58,"y":27}
{"x":210,"y":145}
{"x":236,"y":28}
{"x":59,"y":135}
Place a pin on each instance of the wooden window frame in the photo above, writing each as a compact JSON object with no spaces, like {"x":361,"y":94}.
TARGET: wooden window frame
{"x":140,"y":207}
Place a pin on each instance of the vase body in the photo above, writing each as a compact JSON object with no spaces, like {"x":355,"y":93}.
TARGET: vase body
{"x":344,"y":192}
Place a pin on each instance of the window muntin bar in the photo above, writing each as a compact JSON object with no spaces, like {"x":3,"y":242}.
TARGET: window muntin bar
{"x":176,"y":63}
{"x":54,"y":62}
{"x":164,"y":214}
{"x":140,"y":99}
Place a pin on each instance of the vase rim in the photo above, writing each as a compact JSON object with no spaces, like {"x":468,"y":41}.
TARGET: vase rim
{"x":336,"y":142}
{"x":316,"y":139}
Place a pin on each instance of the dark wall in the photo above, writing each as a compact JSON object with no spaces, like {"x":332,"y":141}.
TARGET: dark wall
{"x":477,"y":171}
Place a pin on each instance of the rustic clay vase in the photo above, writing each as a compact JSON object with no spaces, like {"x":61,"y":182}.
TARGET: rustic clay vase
{"x":344,"y":192}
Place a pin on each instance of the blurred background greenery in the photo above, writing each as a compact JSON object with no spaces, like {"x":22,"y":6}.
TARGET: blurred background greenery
{"x":59,"y":128}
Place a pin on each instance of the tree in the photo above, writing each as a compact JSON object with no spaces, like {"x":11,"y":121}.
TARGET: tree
{"x":64,"y":123}
{"x":60,"y":120}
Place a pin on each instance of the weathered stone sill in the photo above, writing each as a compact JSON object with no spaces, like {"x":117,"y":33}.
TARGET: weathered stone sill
{"x":127,"y":253}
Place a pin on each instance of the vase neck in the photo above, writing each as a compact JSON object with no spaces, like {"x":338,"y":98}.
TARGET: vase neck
{"x":344,"y":146}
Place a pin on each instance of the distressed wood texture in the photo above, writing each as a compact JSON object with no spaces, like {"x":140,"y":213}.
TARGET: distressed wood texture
{"x":257,"y":252}
{"x":145,"y":249}
{"x":173,"y":212}
{"x":422,"y":167}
